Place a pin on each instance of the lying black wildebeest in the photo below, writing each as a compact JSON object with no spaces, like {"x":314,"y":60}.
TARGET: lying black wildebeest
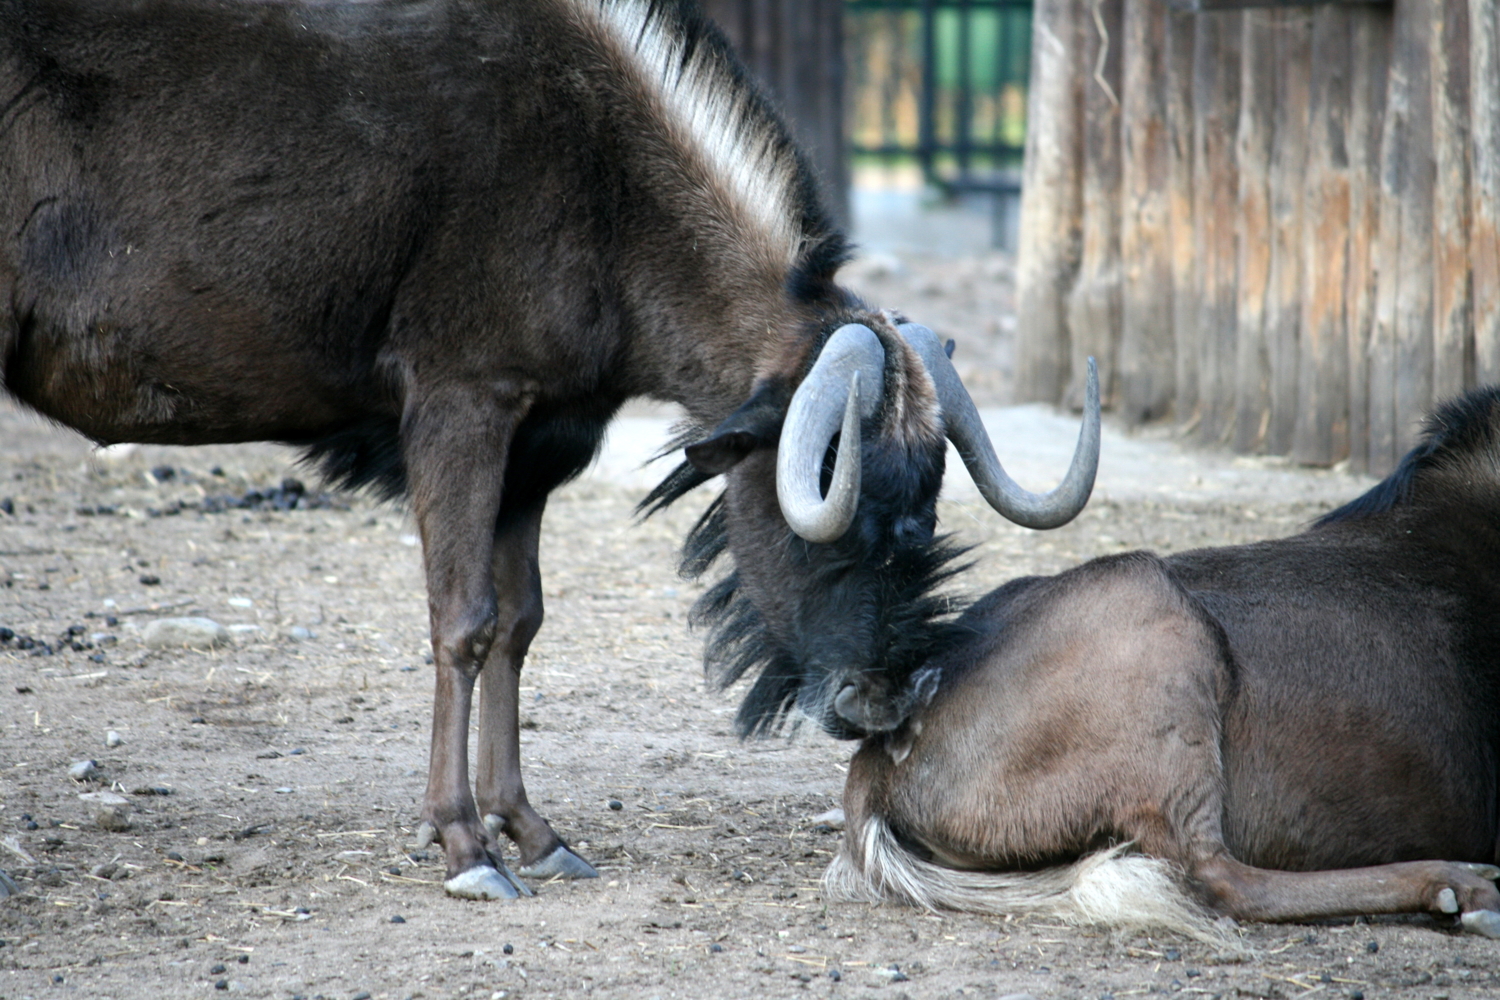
{"x":436,"y":244}
{"x":1292,"y":729}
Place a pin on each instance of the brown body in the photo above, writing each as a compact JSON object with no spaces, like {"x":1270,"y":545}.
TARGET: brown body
{"x":1301,"y":728}
{"x":436,"y":244}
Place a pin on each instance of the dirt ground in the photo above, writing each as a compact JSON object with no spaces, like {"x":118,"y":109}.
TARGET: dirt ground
{"x":273,"y":783}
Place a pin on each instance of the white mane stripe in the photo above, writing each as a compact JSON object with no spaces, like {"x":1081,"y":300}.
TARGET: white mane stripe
{"x":699,"y":100}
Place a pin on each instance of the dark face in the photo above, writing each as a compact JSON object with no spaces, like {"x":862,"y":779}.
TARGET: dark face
{"x":841,"y":622}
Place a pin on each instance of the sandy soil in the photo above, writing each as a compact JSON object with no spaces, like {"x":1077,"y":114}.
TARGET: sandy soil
{"x":276,"y":863}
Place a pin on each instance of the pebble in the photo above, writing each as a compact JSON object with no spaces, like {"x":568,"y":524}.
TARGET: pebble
{"x":107,"y":870}
{"x":218,"y":970}
{"x":509,"y":950}
{"x":110,"y":811}
{"x":398,"y":919}
{"x":83,"y":770}
{"x":1372,"y":946}
{"x":299,"y":634}
{"x":616,"y":805}
{"x":194,"y":633}
{"x":1018,"y":996}
{"x":112,"y":739}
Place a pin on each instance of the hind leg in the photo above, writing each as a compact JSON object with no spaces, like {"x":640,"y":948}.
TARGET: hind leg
{"x":499,"y":789}
{"x":1441,"y":887}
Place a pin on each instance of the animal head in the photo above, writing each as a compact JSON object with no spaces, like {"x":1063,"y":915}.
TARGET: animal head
{"x":829,"y":512}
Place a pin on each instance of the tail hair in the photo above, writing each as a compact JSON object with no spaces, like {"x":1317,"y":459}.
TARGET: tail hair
{"x":1114,"y":888}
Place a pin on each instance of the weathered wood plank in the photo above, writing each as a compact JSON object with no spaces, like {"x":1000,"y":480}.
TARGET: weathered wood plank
{"x":1321,"y":435}
{"x":1094,"y":302}
{"x":1051,"y":202}
{"x":1484,"y":221}
{"x":1401,"y":341}
{"x":1178,"y":71}
{"x":1452,"y":312}
{"x":1292,"y":40}
{"x":1216,"y":93}
{"x":1253,"y":141}
{"x":1145,"y":368}
{"x":1371,"y":45}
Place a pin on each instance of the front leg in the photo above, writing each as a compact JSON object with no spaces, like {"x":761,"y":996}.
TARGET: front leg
{"x":499,"y":789}
{"x":455,"y":441}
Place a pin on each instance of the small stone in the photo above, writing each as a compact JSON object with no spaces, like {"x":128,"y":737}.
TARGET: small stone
{"x":1372,"y":946}
{"x":152,"y":580}
{"x":716,"y":948}
{"x":107,"y":870}
{"x":616,"y":805}
{"x":299,"y":634}
{"x":192,"y":633}
{"x":113,"y":739}
{"x":398,"y":919}
{"x":222,"y":984}
{"x":84,"y":770}
{"x":509,"y":950}
{"x":243,"y":960}
{"x":110,"y":811}
{"x":1172,"y":954}
{"x":361,"y":995}
{"x":217,"y":970}
{"x":173,"y":856}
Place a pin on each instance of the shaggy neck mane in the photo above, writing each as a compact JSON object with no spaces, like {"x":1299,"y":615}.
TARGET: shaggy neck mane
{"x":734,"y":148}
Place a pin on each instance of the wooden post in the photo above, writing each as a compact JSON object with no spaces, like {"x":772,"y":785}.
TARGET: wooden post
{"x":1051,"y":224}
{"x":1216,"y":93}
{"x":1094,"y":303}
{"x":1146,"y":368}
{"x":1484,"y":221}
{"x":1401,"y":342}
{"x":1321,"y":435}
{"x":1178,"y":70}
{"x":1370,"y":59}
{"x":1292,"y":42}
{"x":1452,"y":330}
{"x":1253,"y":140}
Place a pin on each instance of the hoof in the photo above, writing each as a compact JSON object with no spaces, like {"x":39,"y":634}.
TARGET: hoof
{"x":1483,"y":871}
{"x":833,"y":819}
{"x":1447,"y":901}
{"x":561,"y":863}
{"x":484,"y":882}
{"x":1486,"y":922}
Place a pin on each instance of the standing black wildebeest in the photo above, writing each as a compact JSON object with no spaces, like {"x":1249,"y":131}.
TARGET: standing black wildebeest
{"x":435,"y":243}
{"x":1300,"y":728}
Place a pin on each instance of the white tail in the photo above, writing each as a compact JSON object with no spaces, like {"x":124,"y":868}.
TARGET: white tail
{"x":1111,"y":888}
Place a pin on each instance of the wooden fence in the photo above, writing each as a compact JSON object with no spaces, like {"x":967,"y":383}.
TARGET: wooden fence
{"x":1278,"y":227}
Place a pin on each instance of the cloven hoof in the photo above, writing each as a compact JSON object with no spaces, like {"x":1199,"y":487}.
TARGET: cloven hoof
{"x":484,"y":882}
{"x":1486,"y":922}
{"x":561,"y":863}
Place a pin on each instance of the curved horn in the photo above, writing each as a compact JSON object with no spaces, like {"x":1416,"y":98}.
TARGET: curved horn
{"x":966,"y":431}
{"x":828,"y":400}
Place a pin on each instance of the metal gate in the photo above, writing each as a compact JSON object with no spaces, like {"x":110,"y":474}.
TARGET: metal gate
{"x":941,"y":82}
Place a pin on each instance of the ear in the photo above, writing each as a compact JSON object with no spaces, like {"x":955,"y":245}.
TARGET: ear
{"x":756,"y":424}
